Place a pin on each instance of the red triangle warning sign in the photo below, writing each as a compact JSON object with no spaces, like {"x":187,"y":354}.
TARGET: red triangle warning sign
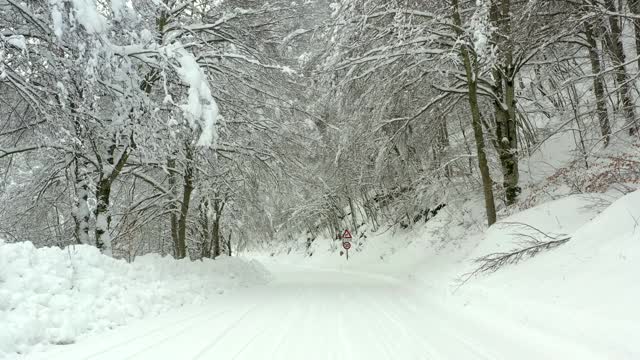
{"x":346,"y":234}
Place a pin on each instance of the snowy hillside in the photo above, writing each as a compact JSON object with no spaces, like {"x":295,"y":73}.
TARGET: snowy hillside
{"x":54,"y":296}
{"x":585,"y":290}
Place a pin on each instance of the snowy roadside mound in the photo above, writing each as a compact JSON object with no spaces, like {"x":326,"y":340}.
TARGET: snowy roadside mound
{"x":51,"y":296}
{"x":603,"y":251}
{"x":585,"y":291}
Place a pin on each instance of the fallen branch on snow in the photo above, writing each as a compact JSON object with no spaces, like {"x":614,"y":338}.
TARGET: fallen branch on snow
{"x":492,"y":262}
{"x":531,"y":246}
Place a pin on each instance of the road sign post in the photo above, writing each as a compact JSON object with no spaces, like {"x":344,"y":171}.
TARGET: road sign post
{"x":346,"y":245}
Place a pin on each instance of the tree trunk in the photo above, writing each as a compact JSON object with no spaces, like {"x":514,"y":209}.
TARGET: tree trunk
{"x":205,"y":229}
{"x":506,"y":141}
{"x":173,"y":206}
{"x":441,"y":143}
{"x":103,"y":217}
{"x":81,"y":213}
{"x":443,"y":140}
{"x":475,"y":119}
{"x":215,"y":237}
{"x":103,"y":195}
{"x":354,"y":218}
{"x":505,"y":106}
{"x":614,"y":44}
{"x":634,"y":6}
{"x":229,"y":243}
{"x":184,"y":206}
{"x":218,"y":207}
{"x":370,"y":209}
{"x":598,"y":85}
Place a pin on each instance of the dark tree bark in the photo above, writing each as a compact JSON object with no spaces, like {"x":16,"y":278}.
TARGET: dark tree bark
{"x":184,"y":206}
{"x":218,"y":207}
{"x":613,"y":40}
{"x":103,"y":194}
{"x":354,"y":218}
{"x":506,"y":131}
{"x":441,"y":143}
{"x":598,"y":85}
{"x":205,"y":229}
{"x":634,"y":6}
{"x":81,"y":214}
{"x":173,"y":206}
{"x":476,"y":123}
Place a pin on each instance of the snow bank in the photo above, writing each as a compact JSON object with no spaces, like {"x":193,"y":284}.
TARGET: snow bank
{"x":604,"y":248}
{"x":585,"y":291}
{"x":51,"y":295}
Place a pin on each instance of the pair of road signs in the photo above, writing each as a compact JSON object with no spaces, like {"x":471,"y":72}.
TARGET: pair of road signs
{"x":346,"y":235}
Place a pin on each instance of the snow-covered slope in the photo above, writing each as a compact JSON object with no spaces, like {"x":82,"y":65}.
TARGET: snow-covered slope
{"x":53,"y":295}
{"x":583,"y":292}
{"x":586,"y":290}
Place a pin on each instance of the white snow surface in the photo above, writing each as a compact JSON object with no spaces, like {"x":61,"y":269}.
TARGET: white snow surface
{"x":54,"y":296}
{"x":399,"y":297}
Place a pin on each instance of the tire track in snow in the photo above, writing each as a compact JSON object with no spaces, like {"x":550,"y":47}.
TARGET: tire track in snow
{"x":342,"y":329}
{"x":286,"y":313}
{"x":413,"y":312}
{"x":159,"y":329}
{"x":303,"y":327}
{"x":225,"y":332}
{"x":368,"y":327}
{"x":283,"y":336}
{"x":402,"y":327}
{"x":178,"y":331}
{"x":376,"y":340}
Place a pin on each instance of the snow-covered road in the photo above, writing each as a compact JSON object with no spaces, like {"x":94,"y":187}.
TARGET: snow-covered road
{"x":316,"y":314}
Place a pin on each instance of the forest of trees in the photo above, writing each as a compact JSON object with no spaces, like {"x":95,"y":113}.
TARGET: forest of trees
{"x":200,"y":128}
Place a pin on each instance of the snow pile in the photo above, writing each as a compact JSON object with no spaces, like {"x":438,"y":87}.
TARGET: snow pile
{"x":603,"y":251}
{"x":585,"y":291}
{"x":51,"y":295}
